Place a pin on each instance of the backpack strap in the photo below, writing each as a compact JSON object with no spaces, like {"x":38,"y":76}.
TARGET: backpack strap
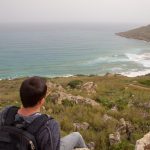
{"x":37,"y":123}
{"x":10,"y":115}
{"x":33,"y":127}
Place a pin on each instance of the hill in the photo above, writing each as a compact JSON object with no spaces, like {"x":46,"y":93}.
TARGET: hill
{"x":111,"y":112}
{"x":142,"y":33}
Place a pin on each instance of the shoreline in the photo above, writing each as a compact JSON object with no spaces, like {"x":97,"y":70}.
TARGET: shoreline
{"x":124,"y":74}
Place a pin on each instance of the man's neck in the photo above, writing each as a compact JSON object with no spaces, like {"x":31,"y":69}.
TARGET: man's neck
{"x":28,"y":111}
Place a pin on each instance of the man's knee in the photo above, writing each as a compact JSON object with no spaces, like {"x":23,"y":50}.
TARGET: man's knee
{"x":77,"y":134}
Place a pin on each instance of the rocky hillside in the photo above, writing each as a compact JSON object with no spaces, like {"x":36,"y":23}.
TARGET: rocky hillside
{"x":142,"y":33}
{"x":112,"y":112}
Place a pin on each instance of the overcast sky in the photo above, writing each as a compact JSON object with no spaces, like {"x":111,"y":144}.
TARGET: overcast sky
{"x":116,"y":11}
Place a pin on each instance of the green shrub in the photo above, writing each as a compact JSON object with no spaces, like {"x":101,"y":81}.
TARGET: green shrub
{"x":145,"y":82}
{"x":121,"y":103}
{"x":57,"y":109}
{"x":124,"y":145}
{"x":66,"y":102}
{"x":106,"y":102}
{"x":66,"y":125}
{"x":75,"y":84}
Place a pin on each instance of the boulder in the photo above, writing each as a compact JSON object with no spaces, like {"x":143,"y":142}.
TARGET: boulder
{"x":144,"y":143}
{"x":109,"y":75}
{"x":53,"y":86}
{"x":114,"y":138}
{"x":125,"y":128}
{"x":91,"y":145}
{"x":114,"y":108}
{"x":80,"y":126}
{"x":146,"y":105}
{"x":89,"y":87}
{"x":122,"y":126}
{"x":106,"y":118}
{"x":54,"y":97}
{"x":145,"y":115}
{"x":59,"y":96}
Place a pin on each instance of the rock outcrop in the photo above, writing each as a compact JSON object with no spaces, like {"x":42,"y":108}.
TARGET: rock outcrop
{"x":91,"y":145}
{"x":114,"y":108}
{"x":123,"y":131}
{"x":89,"y":87}
{"x":58,"y":97}
{"x":53,"y":86}
{"x":114,"y":138}
{"x":144,"y":143}
{"x":125,"y":128}
{"x":57,"y":94}
{"x":106,"y":118}
{"x":109,"y":75}
{"x":146,"y":105}
{"x":80,"y":126}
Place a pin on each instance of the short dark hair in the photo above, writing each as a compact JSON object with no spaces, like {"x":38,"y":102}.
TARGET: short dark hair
{"x":32,"y":90}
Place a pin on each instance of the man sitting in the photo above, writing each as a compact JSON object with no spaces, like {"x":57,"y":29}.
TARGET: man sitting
{"x":32,"y":93}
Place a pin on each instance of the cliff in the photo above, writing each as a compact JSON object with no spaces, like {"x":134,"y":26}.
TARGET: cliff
{"x":142,"y":33}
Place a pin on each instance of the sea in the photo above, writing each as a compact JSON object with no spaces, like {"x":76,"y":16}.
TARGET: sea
{"x":67,"y":49}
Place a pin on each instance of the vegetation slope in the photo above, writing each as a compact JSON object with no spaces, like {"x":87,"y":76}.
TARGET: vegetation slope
{"x":131,"y":97}
{"x":142,"y":33}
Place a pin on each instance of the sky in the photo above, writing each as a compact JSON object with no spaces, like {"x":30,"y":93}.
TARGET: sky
{"x":114,"y":11}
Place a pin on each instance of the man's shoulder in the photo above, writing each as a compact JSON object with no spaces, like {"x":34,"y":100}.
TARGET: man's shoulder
{"x":3,"y":113}
{"x":5,"y":109}
{"x":51,"y":122}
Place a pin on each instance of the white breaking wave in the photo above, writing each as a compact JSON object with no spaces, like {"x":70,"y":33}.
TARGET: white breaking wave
{"x":53,"y":76}
{"x":116,"y":69}
{"x":143,"y":59}
{"x":68,"y":75}
{"x":97,"y":60}
{"x":136,"y":73}
{"x":106,"y":59}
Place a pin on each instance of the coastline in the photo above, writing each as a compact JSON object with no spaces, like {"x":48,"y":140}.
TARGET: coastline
{"x":124,"y":34}
{"x":124,"y":74}
{"x":92,"y":53}
{"x":141,"y":33}
{"x":102,"y":100}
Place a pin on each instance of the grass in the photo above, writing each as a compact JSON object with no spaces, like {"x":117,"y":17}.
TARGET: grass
{"x":145,"y":82}
{"x":110,"y":91}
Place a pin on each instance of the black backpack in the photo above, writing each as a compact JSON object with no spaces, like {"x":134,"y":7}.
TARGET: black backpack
{"x":15,"y":136}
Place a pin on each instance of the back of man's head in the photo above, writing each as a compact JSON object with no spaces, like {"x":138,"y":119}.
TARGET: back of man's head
{"x":32,"y":90}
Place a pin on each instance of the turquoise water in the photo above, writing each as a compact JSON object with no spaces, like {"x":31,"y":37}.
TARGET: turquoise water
{"x":66,"y":49}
